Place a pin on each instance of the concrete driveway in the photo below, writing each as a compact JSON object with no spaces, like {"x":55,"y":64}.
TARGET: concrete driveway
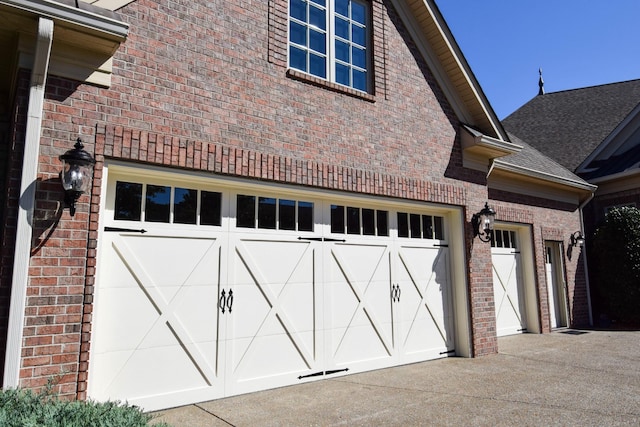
{"x":580,"y":378}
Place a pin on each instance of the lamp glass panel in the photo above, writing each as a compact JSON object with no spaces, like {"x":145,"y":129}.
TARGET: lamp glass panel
{"x":76,"y":177}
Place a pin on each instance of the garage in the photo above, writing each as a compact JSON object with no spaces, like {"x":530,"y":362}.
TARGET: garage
{"x":206,"y":289}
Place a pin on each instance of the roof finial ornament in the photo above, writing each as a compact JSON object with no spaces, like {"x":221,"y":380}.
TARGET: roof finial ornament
{"x":540,"y":83}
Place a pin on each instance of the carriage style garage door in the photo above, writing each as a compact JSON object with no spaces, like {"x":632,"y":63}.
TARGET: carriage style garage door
{"x":508,"y":286}
{"x":205,"y":291}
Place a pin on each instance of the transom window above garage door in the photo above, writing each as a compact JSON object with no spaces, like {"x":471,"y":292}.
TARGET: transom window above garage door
{"x":166,"y":204}
{"x":419,"y":226}
{"x":273,"y":213}
{"x":504,"y":239}
{"x":354,"y":220}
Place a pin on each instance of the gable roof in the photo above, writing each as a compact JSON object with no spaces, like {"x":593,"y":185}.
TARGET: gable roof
{"x":568,"y":125}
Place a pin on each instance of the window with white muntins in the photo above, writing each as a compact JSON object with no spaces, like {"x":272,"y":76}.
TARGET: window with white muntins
{"x":330,"y":39}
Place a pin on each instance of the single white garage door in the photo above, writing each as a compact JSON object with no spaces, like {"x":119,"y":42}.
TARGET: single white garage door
{"x":508,"y":285}
{"x":205,"y":290}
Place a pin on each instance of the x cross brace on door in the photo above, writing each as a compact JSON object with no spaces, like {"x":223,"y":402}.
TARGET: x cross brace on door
{"x":164,"y":308}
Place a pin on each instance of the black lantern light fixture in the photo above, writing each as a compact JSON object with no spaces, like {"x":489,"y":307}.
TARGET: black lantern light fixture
{"x":483,"y":223}
{"x":77,"y":170}
{"x":577,"y":239}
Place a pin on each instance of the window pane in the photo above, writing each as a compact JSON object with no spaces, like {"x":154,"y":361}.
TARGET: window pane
{"x":305,"y":216}
{"x":317,"y":66}
{"x":415,"y":226}
{"x":342,"y":7}
{"x":342,"y":74}
{"x":368,"y":222}
{"x":298,"y":10}
{"x":498,"y":235}
{"x":358,"y":57}
{"x":342,"y":51}
{"x":358,"y":12}
{"x":297,"y":58}
{"x":158,"y":203}
{"x":267,"y":212}
{"x":427,"y":226}
{"x":353,"y":220}
{"x":337,"y":219}
{"x":514,"y":242}
{"x":359,"y":35}
{"x":317,"y":17}
{"x":383,"y":223}
{"x":210,"y":208}
{"x":320,"y":2}
{"x":287,"y":215}
{"x":185,"y":202}
{"x":317,"y":41}
{"x":128,"y":205}
{"x":246,"y":211}
{"x":438,"y":227}
{"x":342,"y":28}
{"x":360,"y":80}
{"x":403,"y":225}
{"x":297,"y":33}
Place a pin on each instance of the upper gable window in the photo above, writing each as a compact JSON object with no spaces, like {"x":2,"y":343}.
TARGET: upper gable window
{"x":330,"y":39}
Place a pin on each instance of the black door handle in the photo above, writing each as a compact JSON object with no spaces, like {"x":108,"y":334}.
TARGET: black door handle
{"x":223,"y":300}
{"x":230,"y":300}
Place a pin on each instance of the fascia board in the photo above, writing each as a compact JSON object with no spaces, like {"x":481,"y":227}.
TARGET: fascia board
{"x":477,"y":141}
{"x":620,"y":175}
{"x":75,"y":16}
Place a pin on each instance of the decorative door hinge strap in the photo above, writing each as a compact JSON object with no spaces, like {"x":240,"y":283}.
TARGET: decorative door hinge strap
{"x":321,"y":373}
{"x":125,"y":230}
{"x":321,"y":239}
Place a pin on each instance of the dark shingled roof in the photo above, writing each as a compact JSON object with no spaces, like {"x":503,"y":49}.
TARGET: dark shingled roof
{"x":533,"y":159}
{"x":567,"y":126}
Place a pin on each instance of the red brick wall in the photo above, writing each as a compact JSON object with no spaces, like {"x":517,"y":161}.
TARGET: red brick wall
{"x":204,"y":86}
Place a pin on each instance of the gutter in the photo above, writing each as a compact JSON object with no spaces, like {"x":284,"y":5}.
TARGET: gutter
{"x":84,"y":15}
{"x":27,"y":200}
{"x":545,"y":176}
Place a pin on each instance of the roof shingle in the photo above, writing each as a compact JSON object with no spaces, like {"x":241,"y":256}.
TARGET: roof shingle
{"x":568,"y":125}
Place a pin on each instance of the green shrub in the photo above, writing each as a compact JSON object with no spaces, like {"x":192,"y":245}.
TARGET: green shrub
{"x":23,"y":408}
{"x":616,"y":256}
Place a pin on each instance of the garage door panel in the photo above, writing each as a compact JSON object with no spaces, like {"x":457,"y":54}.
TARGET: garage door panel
{"x":273,"y":322}
{"x":148,"y":339}
{"x":425,"y":317}
{"x":359,"y":312}
{"x":507,"y":293}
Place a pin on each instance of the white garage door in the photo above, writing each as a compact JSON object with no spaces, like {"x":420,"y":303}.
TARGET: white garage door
{"x":206,"y":291}
{"x":508,"y":285}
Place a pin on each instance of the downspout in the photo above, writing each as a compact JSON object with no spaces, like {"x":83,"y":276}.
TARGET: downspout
{"x":584,"y":259}
{"x":26,"y":203}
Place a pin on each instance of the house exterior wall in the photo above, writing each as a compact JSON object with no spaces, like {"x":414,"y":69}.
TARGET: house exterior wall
{"x":204,"y":86}
{"x":551,"y":221}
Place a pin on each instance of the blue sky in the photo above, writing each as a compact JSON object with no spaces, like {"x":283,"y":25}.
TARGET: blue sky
{"x":577,"y":43}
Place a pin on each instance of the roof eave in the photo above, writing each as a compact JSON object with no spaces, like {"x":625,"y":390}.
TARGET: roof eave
{"x":546,"y":177}
{"x":75,"y":16}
